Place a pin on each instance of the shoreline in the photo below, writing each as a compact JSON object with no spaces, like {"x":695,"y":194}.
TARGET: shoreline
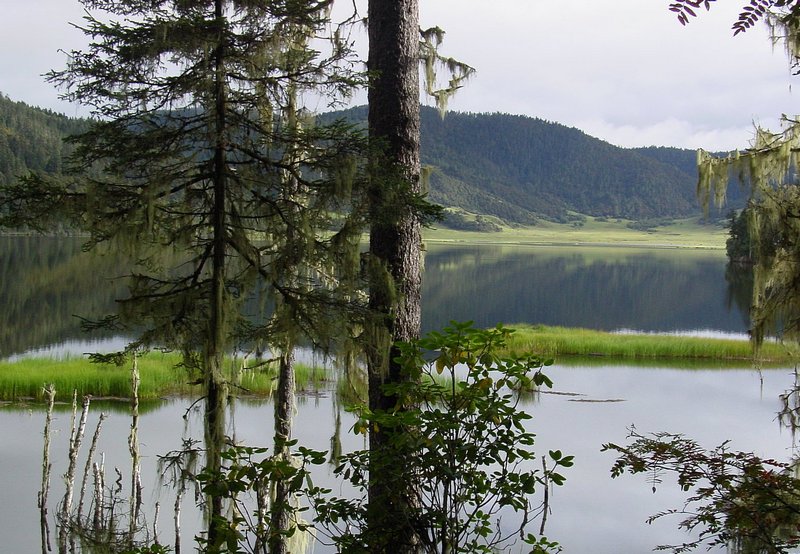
{"x":684,"y":234}
{"x":587,"y":244}
{"x":681,"y":234}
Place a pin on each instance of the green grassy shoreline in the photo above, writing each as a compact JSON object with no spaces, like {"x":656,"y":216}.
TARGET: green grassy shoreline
{"x":558,"y":342}
{"x":160,"y":376}
{"x":680,"y":234}
{"x":686,"y":233}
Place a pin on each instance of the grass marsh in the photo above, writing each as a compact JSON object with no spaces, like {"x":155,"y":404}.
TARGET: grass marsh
{"x":561,"y":341}
{"x":160,"y":373}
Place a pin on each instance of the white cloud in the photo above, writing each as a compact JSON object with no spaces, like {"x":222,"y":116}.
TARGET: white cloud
{"x":624,"y":70}
{"x":669,"y":132}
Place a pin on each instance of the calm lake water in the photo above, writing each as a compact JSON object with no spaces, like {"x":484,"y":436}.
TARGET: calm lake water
{"x":43,"y":283}
{"x":46,"y":285}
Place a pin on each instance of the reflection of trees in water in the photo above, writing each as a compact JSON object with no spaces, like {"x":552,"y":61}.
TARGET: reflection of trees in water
{"x":46,"y":281}
{"x":46,"y":284}
{"x":740,"y":288}
{"x":635,"y":290}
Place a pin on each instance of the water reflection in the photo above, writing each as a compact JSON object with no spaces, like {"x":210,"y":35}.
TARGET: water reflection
{"x":45,"y":282}
{"x":598,"y":288}
{"x":592,"y":513}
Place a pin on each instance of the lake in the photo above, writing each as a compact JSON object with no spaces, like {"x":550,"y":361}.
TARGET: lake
{"x":42,"y":286}
{"x":47,"y":285}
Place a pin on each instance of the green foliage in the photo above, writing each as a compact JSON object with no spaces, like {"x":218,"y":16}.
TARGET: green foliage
{"x":518,"y":181}
{"x":247,"y":473}
{"x":737,"y":498}
{"x":460,"y":221}
{"x":31,"y":139}
{"x":785,"y":12}
{"x":152,"y":549}
{"x":741,"y":247}
{"x":773,"y":228}
{"x":460,"y":444}
{"x":738,"y":244}
{"x":649,"y":224}
{"x":201,"y":163}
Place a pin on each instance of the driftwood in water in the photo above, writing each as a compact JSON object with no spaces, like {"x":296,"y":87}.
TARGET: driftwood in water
{"x":87,"y":468}
{"x":133,"y":448}
{"x":50,"y":395}
{"x":76,"y":437}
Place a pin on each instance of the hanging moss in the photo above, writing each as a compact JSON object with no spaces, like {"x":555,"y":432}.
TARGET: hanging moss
{"x":431,"y":59}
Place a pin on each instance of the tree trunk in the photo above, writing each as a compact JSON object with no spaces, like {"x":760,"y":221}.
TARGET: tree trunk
{"x":284,"y":408}
{"x":395,"y":238}
{"x":216,"y":393}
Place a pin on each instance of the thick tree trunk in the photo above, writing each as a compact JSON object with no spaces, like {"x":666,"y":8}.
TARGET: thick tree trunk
{"x":395,"y":249}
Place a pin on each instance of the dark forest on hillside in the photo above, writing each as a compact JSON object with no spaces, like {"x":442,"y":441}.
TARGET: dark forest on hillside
{"x":515,"y":168}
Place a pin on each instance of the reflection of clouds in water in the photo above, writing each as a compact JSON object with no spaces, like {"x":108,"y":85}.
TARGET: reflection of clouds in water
{"x":700,"y":333}
{"x":707,"y":405}
{"x":74,"y":348}
{"x":710,"y":406}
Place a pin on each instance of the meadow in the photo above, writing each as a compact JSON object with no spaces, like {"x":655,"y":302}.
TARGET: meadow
{"x":682,"y":233}
{"x":161,"y":375}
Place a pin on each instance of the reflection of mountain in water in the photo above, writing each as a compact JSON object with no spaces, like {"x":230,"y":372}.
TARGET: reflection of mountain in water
{"x":45,"y":282}
{"x":595,"y":287}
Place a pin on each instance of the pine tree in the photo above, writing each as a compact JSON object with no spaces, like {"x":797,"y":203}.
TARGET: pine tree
{"x":210,"y":176}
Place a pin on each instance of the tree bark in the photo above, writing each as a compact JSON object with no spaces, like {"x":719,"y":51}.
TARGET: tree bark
{"x":216,"y":394}
{"x":284,"y":408}
{"x":395,"y":238}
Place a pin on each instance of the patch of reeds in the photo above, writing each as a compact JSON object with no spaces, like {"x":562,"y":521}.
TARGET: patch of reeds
{"x":558,"y":342}
{"x":161,"y":375}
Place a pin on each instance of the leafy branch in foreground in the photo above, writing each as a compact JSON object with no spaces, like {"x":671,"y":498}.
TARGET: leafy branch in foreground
{"x":737,"y":498}
{"x":751,"y":13}
{"x":466,"y":454}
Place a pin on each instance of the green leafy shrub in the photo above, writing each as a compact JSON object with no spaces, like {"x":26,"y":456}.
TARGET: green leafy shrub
{"x":461,"y":445}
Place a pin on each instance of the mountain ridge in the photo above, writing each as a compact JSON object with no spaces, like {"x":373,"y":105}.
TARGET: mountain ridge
{"x":516,"y":168}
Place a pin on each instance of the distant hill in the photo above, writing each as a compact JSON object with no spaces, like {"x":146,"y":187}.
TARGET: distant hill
{"x":31,"y":139}
{"x":521,"y":169}
{"x":515,"y":168}
{"x":686,"y":161}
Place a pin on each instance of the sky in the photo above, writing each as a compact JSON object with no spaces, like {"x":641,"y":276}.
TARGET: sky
{"x":624,"y":71}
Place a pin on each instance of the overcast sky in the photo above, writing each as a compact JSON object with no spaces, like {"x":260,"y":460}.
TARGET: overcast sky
{"x":624,"y":71}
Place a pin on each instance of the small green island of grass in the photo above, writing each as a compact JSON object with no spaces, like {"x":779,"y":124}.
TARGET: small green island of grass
{"x":558,"y":342}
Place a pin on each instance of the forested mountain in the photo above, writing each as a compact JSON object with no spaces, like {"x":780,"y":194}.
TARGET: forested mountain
{"x":32,"y":139}
{"x":512,"y":163}
{"x":521,"y":169}
{"x":686,"y":161}
{"x":517,"y":168}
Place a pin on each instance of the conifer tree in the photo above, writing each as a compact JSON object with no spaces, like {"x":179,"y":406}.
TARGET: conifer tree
{"x":207,"y":172}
